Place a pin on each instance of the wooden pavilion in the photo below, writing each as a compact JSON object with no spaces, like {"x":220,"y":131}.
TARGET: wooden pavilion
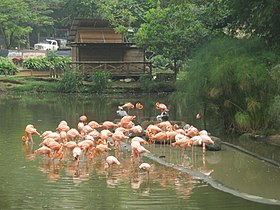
{"x":96,"y":46}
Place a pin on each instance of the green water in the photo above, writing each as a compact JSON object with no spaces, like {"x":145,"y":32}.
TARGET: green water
{"x":30,"y":181}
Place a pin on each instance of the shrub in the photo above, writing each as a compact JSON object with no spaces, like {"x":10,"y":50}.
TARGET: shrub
{"x":47,"y":63}
{"x":7,"y":67}
{"x":151,"y":86}
{"x":35,"y":64}
{"x":70,"y":82}
{"x":238,"y":76}
{"x":274,"y":113}
{"x":100,"y":80}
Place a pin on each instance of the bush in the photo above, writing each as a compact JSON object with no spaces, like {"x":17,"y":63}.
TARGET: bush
{"x":7,"y":67}
{"x":100,"y":80}
{"x":47,"y":63}
{"x":274,"y":113}
{"x":238,"y":76}
{"x":151,"y":86}
{"x":70,"y":82}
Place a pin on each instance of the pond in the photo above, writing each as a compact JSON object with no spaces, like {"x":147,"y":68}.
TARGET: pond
{"x":178,"y":179}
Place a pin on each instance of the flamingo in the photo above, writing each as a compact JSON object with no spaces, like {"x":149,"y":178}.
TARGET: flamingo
{"x":128,"y":106}
{"x":87,"y":129}
{"x":125,"y":120}
{"x":100,"y":148}
{"x":70,"y":144}
{"x":108,"y":125}
{"x":104,"y":135}
{"x":145,"y":167}
{"x":83,"y":119}
{"x":162,"y":107}
{"x":117,"y":137}
{"x":77,"y":151}
{"x":165,"y":126}
{"x":45,"y":134}
{"x":95,"y":134}
{"x":94,"y":124}
{"x":139,"y":106}
{"x":46,"y":142}
{"x":29,"y":131}
{"x":73,"y":133}
{"x":111,"y":160}
{"x":137,"y":129}
{"x":152,"y":129}
{"x":45,"y":151}
{"x":63,"y":136}
{"x":63,"y":127}
{"x":192,"y":131}
{"x":53,"y":135}
{"x":161,"y":136}
{"x":139,"y":139}
{"x":137,"y":150}
{"x":62,"y":124}
{"x":56,"y":148}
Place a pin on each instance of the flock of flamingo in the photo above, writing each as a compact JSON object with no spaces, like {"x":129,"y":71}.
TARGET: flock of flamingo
{"x":90,"y":138}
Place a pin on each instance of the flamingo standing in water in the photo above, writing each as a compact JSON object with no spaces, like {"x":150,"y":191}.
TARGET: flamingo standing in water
{"x":162,"y":107}
{"x":137,"y":149}
{"x":29,"y":131}
{"x":145,"y":167}
{"x":83,"y":119}
{"x":139,"y":107}
{"x":109,"y":124}
{"x":128,"y":106}
{"x":44,"y":150}
{"x":111,"y":160}
{"x":126,"y":120}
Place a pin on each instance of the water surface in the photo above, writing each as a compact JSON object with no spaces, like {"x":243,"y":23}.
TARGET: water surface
{"x":30,"y":181}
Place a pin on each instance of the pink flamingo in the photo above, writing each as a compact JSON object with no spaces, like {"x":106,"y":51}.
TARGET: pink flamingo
{"x":111,"y":160}
{"x":29,"y":131}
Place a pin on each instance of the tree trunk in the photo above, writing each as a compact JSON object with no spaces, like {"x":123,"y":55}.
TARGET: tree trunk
{"x":28,"y":41}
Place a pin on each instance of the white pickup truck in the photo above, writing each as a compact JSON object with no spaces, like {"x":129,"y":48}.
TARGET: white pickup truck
{"x":49,"y":44}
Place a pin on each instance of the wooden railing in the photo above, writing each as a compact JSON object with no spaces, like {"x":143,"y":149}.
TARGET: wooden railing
{"x":115,"y":68}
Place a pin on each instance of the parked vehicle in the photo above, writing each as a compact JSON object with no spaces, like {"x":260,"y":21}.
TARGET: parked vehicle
{"x":49,"y":44}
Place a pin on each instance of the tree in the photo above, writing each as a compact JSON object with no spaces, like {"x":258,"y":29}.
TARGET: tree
{"x":124,"y":15}
{"x":174,"y":32}
{"x":14,"y":19}
{"x":256,"y":17}
{"x":41,"y":15}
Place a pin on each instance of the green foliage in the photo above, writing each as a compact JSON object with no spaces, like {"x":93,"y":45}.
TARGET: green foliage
{"x":150,"y":86}
{"x":14,"y":19}
{"x":36,"y":86}
{"x":70,"y":82}
{"x":242,"y":119}
{"x":160,"y":61}
{"x":47,"y":63}
{"x":173,"y":32}
{"x":260,"y":18}
{"x":36,"y":64}
{"x":7,"y":67}
{"x":274,"y":113}
{"x":236,"y":76}
{"x":100,"y":80}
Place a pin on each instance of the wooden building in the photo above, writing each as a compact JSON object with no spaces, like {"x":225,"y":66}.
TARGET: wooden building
{"x":96,"y":46}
